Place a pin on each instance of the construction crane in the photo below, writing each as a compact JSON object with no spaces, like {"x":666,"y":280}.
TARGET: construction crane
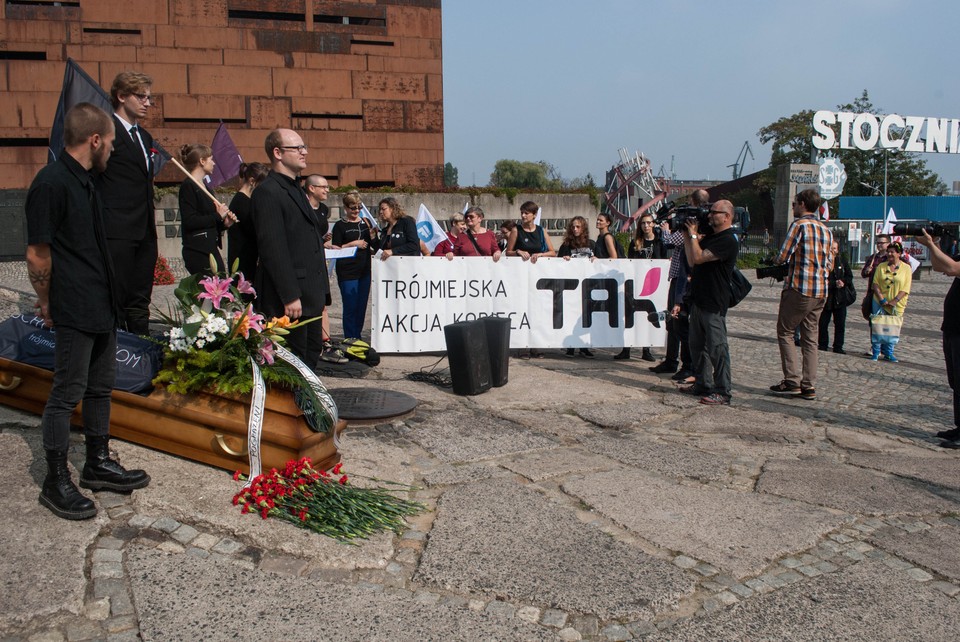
{"x":741,"y":160}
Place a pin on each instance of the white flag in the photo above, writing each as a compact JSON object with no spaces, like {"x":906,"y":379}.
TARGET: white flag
{"x":365,"y":213}
{"x":536,"y":221}
{"x":466,"y":206}
{"x":889,"y":222}
{"x":428,"y":229}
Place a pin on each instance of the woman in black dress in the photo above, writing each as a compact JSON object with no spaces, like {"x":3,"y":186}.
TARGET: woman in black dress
{"x":528,"y":240}
{"x":646,"y":244}
{"x":201,"y":221}
{"x":241,"y":237}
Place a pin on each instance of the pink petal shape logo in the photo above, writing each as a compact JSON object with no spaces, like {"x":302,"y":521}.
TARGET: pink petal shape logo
{"x":650,"y":282}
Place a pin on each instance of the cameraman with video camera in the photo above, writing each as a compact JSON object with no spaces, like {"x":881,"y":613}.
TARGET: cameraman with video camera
{"x":806,"y":252}
{"x":713,"y":258}
{"x":950,"y":328}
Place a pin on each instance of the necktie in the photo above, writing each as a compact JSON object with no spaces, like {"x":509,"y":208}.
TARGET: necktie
{"x":136,"y":138}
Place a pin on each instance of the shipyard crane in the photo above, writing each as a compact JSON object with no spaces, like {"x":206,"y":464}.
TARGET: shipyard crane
{"x":741,"y":160}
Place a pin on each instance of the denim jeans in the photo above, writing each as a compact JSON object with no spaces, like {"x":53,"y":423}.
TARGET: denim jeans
{"x":85,"y":367}
{"x":355,"y":294}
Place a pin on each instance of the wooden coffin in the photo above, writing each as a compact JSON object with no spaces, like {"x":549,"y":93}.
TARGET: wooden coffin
{"x":207,"y":428}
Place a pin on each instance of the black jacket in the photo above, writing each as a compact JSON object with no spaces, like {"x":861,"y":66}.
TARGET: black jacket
{"x":292,"y":261}
{"x":126,"y":188}
{"x":200,"y":225}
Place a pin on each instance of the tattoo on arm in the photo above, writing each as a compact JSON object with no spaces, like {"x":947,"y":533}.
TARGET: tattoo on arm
{"x":40,"y":278}
{"x":708,"y":256}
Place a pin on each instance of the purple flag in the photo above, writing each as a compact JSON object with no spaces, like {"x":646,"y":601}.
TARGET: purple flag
{"x":226,"y":157}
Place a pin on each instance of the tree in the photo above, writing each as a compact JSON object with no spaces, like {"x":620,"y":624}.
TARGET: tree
{"x":525,"y":175}
{"x":907,"y":173}
{"x":451,"y":177}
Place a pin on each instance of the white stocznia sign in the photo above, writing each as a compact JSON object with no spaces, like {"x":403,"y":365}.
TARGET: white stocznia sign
{"x":866,"y":132}
{"x":551,"y":303}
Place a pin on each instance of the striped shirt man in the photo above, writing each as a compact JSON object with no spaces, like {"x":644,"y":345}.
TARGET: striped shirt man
{"x":807,"y":248}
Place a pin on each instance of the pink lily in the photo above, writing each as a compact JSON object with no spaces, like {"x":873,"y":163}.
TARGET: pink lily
{"x":244,"y":286}
{"x":216,"y":289}
{"x":249,"y":320}
{"x":266,"y":352}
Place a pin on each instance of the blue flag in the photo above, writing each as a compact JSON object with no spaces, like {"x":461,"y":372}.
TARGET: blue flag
{"x":78,"y":87}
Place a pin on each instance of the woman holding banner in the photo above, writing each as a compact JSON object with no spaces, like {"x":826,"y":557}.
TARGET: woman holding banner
{"x":476,"y":241}
{"x":399,"y":233}
{"x":577,"y":244}
{"x":201,"y":222}
{"x":528,"y":240}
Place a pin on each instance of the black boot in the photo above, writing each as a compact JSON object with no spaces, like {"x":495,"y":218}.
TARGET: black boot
{"x":647,"y":355}
{"x":58,"y":492}
{"x":103,"y":473}
{"x":623,"y":354}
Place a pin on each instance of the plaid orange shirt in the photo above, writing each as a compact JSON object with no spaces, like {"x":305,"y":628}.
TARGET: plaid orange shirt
{"x":807,"y":248}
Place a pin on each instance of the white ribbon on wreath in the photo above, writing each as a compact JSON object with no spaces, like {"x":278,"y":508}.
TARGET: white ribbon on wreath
{"x":258,"y":397}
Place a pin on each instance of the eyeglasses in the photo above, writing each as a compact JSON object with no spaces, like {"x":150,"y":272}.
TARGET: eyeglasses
{"x":353,"y":208}
{"x":469,"y":217}
{"x":143,"y":98}
{"x":646,"y":222}
{"x":298,"y":148}
{"x":324,"y":186}
{"x":716,"y":212}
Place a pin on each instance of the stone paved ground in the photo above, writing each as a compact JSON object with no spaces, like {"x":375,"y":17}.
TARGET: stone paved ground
{"x":586,"y":499}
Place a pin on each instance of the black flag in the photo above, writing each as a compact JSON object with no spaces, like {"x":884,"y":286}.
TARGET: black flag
{"x":78,"y":87}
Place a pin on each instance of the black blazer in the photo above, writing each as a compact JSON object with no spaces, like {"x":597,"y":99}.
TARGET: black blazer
{"x":292,"y":261}
{"x":126,"y":188}
{"x":201,"y":228}
{"x":403,"y":240}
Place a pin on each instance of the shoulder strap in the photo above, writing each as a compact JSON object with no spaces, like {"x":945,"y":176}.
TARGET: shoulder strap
{"x":474,"y":241}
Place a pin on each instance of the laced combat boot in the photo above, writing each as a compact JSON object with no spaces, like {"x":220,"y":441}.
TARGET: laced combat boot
{"x":59,"y":494}
{"x":103,"y":473}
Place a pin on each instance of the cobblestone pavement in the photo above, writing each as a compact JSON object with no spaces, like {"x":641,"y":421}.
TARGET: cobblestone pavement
{"x":586,"y":499}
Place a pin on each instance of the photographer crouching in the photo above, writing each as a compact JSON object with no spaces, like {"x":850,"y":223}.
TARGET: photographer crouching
{"x":950,"y":328}
{"x":712,"y":258}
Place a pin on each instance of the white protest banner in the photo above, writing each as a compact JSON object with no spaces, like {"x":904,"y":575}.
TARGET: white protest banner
{"x":551,"y":303}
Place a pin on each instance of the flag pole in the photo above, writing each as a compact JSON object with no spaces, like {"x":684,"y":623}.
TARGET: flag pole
{"x":196,"y":181}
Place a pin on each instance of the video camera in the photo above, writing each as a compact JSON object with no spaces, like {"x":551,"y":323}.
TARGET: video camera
{"x":934,"y":229}
{"x":678,"y":215}
{"x":771,"y":271}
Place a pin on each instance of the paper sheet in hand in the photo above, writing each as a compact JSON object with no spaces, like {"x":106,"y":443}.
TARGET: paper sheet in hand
{"x":344,"y":253}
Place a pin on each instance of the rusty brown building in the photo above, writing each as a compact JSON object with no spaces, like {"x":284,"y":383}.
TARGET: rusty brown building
{"x":361,"y":81}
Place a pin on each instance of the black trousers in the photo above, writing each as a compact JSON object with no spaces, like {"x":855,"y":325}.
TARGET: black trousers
{"x":951,"y":354}
{"x":839,"y":316}
{"x":133,"y":265}
{"x":85,"y":368}
{"x":307,"y":342}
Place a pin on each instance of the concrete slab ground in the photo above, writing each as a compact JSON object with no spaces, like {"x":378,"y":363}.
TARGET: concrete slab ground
{"x":586,"y":499}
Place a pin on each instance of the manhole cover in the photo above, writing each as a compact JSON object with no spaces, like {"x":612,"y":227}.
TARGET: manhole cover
{"x":372,"y":405}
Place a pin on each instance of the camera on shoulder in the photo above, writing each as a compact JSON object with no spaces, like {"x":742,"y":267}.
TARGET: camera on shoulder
{"x":678,"y":216}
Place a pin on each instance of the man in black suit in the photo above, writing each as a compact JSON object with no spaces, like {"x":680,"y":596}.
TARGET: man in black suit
{"x":292,"y":277}
{"x":128,"y":209}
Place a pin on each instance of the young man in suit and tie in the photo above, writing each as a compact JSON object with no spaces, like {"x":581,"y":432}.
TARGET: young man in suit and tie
{"x":128,"y":208}
{"x":292,"y":276}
